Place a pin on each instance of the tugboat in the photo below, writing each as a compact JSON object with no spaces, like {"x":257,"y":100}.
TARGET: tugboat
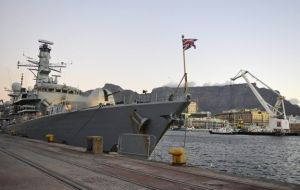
{"x":227,"y":130}
{"x":71,"y":115}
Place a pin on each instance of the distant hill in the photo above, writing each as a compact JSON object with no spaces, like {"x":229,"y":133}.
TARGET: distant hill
{"x":211,"y":98}
{"x":127,"y":96}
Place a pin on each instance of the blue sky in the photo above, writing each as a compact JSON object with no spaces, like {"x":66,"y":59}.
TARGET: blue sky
{"x":137,"y":44}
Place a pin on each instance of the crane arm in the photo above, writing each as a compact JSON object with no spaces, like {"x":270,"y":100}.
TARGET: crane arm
{"x":266,"y":106}
{"x":276,"y":92}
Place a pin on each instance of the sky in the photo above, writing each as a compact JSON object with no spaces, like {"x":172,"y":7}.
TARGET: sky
{"x":137,"y":44}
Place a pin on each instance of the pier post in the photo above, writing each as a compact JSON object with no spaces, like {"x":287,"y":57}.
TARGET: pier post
{"x":94,"y":144}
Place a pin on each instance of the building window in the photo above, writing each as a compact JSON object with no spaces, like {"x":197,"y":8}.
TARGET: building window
{"x":278,"y":123}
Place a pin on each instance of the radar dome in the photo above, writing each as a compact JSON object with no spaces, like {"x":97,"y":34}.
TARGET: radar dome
{"x":16,"y":87}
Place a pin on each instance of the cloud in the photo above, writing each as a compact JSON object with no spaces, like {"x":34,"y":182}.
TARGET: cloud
{"x":175,"y":84}
{"x":171,"y":84}
{"x":207,"y":84}
{"x":193,"y":84}
{"x":217,"y":84}
{"x":294,"y":101}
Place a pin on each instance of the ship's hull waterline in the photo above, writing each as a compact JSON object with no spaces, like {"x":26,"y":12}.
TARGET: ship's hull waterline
{"x":109,"y":122}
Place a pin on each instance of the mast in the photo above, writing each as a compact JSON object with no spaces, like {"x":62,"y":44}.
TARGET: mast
{"x":44,"y":58}
{"x":186,"y":44}
{"x":184,"y":68}
{"x":41,"y":68}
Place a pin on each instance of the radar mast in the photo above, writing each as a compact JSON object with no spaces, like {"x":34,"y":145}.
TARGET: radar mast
{"x":41,"y":68}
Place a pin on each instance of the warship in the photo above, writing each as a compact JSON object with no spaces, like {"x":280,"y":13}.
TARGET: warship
{"x":72,"y":115}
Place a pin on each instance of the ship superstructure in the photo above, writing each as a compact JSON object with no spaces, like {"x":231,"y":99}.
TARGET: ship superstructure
{"x":47,"y":96}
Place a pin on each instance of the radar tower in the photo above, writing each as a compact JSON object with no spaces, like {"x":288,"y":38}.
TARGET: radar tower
{"x":41,"y":68}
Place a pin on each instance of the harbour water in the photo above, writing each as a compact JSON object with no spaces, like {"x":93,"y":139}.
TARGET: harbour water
{"x":268,"y":157}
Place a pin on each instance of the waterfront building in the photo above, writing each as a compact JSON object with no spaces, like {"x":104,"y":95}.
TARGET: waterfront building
{"x":294,"y":124}
{"x":245,"y":117}
{"x":201,"y":114}
{"x":206,"y":122}
{"x":192,"y":108}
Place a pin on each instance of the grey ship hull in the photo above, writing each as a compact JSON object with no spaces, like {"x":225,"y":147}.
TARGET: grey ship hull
{"x":109,"y":122}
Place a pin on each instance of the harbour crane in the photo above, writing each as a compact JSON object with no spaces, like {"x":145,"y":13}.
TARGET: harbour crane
{"x":277,"y":117}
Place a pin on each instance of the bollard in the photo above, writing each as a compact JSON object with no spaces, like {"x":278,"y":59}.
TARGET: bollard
{"x":178,"y":156}
{"x":50,"y":138}
{"x":13,"y":132}
{"x":94,"y":144}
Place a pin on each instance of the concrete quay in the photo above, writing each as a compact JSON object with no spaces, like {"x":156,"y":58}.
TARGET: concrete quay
{"x":33,"y":164}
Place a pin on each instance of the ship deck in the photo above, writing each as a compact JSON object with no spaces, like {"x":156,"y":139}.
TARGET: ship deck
{"x":33,"y":164}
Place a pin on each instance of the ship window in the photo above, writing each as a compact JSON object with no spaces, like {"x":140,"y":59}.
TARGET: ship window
{"x":64,"y":91}
{"x":51,"y":89}
{"x":58,"y":90}
{"x":71,"y":92}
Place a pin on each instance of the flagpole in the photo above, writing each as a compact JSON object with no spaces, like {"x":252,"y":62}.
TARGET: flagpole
{"x":185,"y":86}
{"x":185,"y":74}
